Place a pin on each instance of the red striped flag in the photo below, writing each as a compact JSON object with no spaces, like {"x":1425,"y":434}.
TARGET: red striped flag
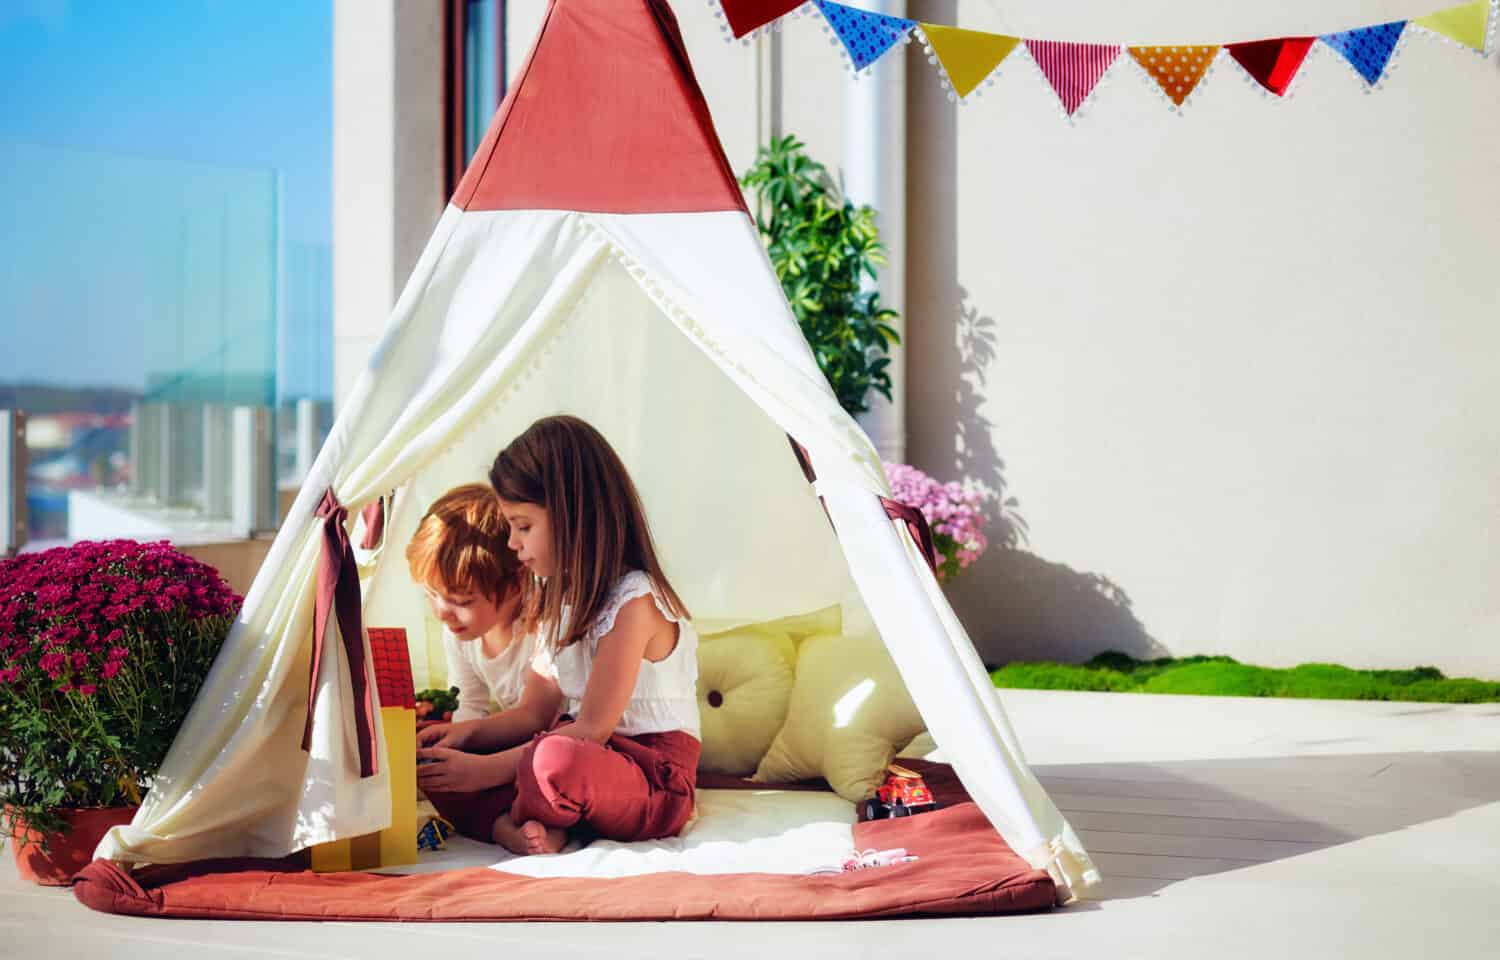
{"x":1073,"y":69}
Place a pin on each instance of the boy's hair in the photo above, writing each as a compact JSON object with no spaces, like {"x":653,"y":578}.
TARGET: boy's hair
{"x":599,"y":530}
{"x":460,"y":545}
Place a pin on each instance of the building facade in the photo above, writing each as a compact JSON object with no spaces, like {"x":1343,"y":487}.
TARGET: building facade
{"x":1237,"y":365}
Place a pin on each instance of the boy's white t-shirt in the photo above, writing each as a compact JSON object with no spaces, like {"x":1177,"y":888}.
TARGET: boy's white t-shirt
{"x":488,"y":685}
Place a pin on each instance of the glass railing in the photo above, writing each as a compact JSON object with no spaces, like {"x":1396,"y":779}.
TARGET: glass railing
{"x":162,"y":342}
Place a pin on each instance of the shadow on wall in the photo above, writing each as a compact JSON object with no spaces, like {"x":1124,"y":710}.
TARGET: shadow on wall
{"x":1017,"y":606}
{"x":1032,"y":608}
{"x":1020,"y":606}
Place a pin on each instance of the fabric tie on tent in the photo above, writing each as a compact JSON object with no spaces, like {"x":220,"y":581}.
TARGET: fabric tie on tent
{"x":1367,"y":49}
{"x":916,"y":524}
{"x":747,"y":15}
{"x":1467,"y":24}
{"x":338,"y":593}
{"x":915,"y":520}
{"x":867,"y":36}
{"x":1273,"y":63}
{"x":374,"y":516}
{"x":803,"y":460}
{"x":1073,"y":69}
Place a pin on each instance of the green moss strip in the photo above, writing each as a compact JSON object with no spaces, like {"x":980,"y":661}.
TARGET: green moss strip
{"x":1225,"y":677}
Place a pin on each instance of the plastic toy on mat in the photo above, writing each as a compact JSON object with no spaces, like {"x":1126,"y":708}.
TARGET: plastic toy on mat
{"x":903,"y":794}
{"x":436,"y":706}
{"x":434,"y":834}
{"x":865,"y":859}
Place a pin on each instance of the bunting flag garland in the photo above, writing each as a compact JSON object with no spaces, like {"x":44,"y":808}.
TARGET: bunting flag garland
{"x":967,"y":56}
{"x":1273,"y":63}
{"x":1467,"y":24}
{"x":865,"y":35}
{"x":1176,"y":70}
{"x":1073,"y":69}
{"x":746,"y":16}
{"x":1368,"y":49}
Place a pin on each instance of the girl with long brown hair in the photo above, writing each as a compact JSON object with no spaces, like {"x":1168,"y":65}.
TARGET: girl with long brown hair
{"x":622,"y":764}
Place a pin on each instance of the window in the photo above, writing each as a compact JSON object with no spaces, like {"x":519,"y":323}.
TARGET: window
{"x":476,"y":77}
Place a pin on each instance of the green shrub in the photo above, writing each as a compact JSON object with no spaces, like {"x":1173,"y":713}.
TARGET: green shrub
{"x":824,"y":249}
{"x":1226,"y":677}
{"x":1059,"y":676}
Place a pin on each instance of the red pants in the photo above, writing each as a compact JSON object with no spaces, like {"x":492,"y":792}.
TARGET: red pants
{"x":630,"y":788}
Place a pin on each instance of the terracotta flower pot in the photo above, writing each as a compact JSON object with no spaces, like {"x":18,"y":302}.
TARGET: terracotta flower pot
{"x":66,"y":853}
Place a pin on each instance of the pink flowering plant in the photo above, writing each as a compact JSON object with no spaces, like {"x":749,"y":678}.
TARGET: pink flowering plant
{"x":955,"y":514}
{"x":103,"y":647}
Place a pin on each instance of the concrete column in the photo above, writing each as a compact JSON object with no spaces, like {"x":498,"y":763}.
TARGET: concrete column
{"x":252,"y":456}
{"x":875,"y":174}
{"x":307,"y":437}
{"x":137,"y":448}
{"x":13,"y":520}
{"x":217,"y":481}
{"x":388,"y":190}
{"x":165,"y":488}
{"x":768,"y":81}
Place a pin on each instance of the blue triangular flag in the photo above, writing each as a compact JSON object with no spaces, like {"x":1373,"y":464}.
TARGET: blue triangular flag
{"x":867,"y":36}
{"x":1368,"y":49}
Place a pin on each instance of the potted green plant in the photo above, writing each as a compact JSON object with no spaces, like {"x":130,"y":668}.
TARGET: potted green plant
{"x":103,"y":647}
{"x":825,"y":249}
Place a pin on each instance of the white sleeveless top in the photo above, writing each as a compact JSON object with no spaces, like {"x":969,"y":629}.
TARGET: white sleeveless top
{"x":666,"y":692}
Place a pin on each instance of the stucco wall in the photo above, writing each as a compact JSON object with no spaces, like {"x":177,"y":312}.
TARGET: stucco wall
{"x":387,"y":164}
{"x":1242,"y":362}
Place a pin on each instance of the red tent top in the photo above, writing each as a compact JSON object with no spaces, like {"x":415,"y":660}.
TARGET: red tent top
{"x":606,"y":116}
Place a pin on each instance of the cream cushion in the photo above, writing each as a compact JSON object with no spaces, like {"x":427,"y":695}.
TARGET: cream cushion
{"x":744,"y":686}
{"x":848,"y":716}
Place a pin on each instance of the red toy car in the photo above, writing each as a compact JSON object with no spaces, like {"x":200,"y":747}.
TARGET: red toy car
{"x":903,"y":794}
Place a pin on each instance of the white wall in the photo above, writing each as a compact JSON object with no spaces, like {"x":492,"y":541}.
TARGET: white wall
{"x":1243,"y":362}
{"x":387,"y":164}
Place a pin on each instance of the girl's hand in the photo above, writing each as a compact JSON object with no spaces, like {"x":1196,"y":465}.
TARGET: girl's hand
{"x":454,"y":771}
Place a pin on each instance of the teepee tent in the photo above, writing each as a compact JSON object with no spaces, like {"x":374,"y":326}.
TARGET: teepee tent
{"x":597,"y":259}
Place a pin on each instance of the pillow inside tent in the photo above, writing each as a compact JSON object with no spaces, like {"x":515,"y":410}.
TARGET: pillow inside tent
{"x":744,"y":686}
{"x":849,"y":714}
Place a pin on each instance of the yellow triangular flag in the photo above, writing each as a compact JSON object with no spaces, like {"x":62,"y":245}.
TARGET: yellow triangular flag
{"x":967,"y":56}
{"x":1468,"y":24}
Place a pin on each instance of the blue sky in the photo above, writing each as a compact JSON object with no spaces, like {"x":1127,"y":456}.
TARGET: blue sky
{"x":197,"y":83}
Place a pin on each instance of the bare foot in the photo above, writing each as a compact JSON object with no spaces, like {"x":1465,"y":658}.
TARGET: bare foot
{"x":508,"y":835}
{"x":529,"y":838}
{"x":543,"y":839}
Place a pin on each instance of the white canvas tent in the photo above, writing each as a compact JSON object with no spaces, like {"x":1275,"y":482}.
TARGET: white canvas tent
{"x":598,"y":260}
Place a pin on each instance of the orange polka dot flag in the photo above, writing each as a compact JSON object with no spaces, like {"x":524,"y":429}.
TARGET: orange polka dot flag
{"x":1177,"y":70}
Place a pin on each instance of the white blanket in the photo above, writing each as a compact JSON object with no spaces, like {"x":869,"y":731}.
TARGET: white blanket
{"x":735,"y":831}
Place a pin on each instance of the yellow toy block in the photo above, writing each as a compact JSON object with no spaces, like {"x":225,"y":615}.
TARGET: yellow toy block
{"x":397,"y":844}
